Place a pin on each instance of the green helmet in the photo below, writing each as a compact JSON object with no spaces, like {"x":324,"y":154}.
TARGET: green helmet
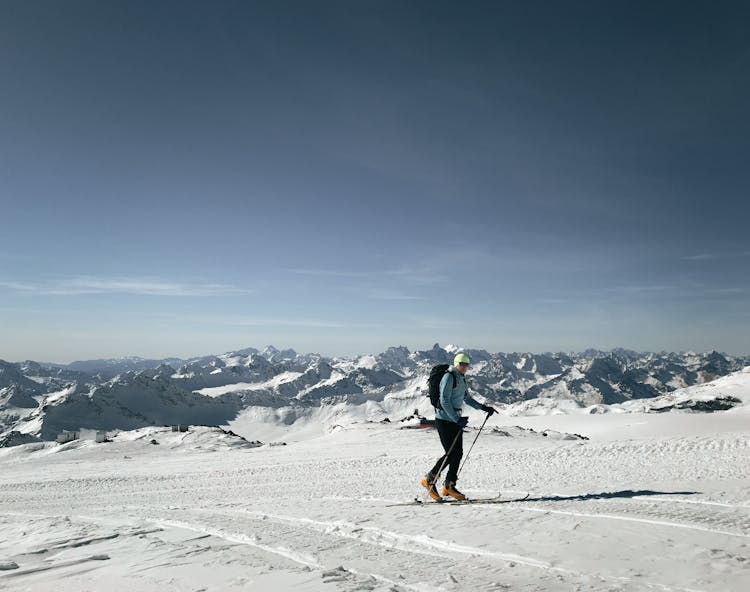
{"x":461,"y":359}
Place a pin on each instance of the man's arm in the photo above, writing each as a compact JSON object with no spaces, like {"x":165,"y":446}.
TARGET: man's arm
{"x":472,"y":402}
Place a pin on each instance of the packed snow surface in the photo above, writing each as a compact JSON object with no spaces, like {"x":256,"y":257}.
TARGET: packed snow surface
{"x":649,"y":502}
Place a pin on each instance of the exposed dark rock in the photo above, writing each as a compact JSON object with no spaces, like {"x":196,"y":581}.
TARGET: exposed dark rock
{"x":16,"y":439}
{"x":721,"y":403}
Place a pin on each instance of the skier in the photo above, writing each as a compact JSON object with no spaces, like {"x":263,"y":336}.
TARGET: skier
{"x":450,"y":424}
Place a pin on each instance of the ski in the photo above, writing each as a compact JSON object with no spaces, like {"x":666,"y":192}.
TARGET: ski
{"x":488,"y":500}
{"x":499,"y":499}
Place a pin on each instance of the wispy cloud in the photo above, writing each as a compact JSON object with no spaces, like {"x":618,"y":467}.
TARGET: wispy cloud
{"x":327,"y":273}
{"x":701,"y":257}
{"x":394,"y":284}
{"x":441,"y":324}
{"x":716,"y":256}
{"x":420,"y":276}
{"x":728,"y":291}
{"x":285,"y":322}
{"x":18,"y":286}
{"x":25,"y":257}
{"x":641,"y":289}
{"x":392,"y":295}
{"x":553,"y":300}
{"x":135,"y":286}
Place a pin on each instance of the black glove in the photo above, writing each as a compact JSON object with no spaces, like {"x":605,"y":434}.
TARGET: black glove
{"x":463,"y":422}
{"x":489,"y":410}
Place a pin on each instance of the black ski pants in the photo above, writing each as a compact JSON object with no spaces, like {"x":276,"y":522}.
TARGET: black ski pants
{"x":448,"y":432}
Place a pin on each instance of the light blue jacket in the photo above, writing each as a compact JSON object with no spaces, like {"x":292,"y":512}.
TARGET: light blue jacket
{"x":452,"y":399}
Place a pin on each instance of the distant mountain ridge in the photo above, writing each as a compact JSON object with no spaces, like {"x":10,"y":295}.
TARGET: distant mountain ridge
{"x":40,"y":400}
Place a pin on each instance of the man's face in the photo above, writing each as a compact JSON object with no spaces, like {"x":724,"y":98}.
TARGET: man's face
{"x":462,"y":368}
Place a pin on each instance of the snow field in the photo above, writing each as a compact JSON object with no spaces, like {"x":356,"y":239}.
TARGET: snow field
{"x":666,"y":507}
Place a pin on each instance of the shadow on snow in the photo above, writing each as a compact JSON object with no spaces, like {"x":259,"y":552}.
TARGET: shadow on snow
{"x":627,"y":493}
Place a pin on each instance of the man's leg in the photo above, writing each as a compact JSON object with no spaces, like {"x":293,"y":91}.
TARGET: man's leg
{"x":438,"y":465}
{"x":454,"y":458}
{"x":454,"y":463}
{"x":447,"y":433}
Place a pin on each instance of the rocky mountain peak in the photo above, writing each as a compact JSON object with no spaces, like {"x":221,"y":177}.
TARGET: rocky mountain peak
{"x":217,"y":388}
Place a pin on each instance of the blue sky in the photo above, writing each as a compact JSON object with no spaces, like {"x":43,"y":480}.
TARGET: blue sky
{"x":183,"y":178}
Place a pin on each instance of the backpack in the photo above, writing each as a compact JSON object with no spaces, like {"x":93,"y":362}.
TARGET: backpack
{"x":433,"y":383}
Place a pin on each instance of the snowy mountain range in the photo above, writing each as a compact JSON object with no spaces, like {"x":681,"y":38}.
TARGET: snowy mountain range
{"x":38,"y":400}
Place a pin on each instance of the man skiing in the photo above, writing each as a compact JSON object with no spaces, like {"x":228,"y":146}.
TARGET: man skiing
{"x":450,"y":424}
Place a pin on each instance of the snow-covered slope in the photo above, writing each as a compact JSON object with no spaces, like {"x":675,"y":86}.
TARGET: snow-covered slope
{"x":718,"y":395}
{"x":649,"y":502}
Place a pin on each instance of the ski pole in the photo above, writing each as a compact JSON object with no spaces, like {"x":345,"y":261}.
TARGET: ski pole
{"x":472,"y":444}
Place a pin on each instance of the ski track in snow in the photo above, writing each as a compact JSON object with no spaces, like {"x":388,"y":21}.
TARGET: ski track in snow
{"x":234,"y":532}
{"x":297,"y":557}
{"x":316,"y":512}
{"x":421,"y":544}
{"x":411,"y":544}
{"x":633,"y":519}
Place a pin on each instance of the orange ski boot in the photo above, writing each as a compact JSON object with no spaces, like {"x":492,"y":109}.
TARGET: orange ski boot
{"x":429,"y":484}
{"x":449,"y":488}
